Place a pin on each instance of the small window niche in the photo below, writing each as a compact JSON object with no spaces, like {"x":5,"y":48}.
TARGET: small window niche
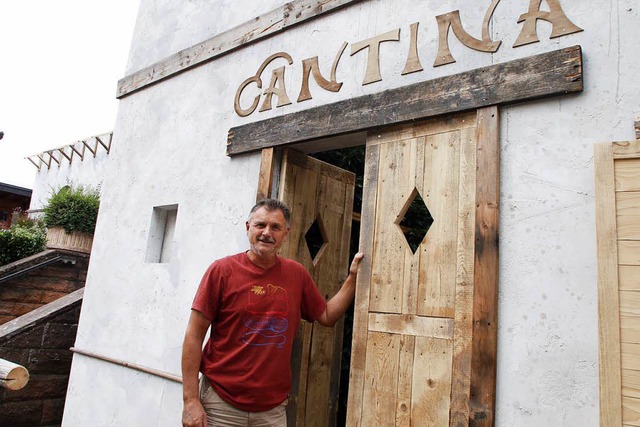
{"x":161,"y":242}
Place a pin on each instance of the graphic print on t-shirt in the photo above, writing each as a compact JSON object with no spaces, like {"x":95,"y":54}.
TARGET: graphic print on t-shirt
{"x":266,"y":316}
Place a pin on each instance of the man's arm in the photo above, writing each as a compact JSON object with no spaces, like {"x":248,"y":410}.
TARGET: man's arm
{"x":338,"y":305}
{"x":193,"y":413}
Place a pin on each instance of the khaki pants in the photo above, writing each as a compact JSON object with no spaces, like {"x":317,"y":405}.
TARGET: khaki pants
{"x":221,"y":414}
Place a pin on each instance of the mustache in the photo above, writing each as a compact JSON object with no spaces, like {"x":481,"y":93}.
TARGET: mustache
{"x":266,"y":240}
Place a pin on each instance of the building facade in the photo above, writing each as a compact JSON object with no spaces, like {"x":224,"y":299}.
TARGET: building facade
{"x":493,"y":107}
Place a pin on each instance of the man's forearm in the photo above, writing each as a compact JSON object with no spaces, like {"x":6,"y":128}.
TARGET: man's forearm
{"x":191,"y":357}
{"x":338,"y":305}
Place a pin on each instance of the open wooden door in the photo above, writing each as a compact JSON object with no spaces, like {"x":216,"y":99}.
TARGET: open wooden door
{"x":424,"y":337}
{"x":321,"y":200}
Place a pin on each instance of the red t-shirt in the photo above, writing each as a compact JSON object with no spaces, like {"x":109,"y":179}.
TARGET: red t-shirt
{"x":255,"y":314}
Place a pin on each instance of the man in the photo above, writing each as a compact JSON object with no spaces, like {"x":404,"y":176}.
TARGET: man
{"x":253,"y":302}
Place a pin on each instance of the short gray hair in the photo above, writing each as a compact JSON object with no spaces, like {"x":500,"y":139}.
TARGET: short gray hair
{"x":272,"y":205}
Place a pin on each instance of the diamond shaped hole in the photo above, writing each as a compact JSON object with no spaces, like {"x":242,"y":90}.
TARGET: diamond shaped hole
{"x":316,"y":239}
{"x":415,"y":220}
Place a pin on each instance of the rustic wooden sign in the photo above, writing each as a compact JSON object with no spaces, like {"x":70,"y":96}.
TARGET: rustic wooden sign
{"x":552,"y":73}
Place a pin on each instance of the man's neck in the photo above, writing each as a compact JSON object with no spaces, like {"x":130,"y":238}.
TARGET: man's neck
{"x":263,"y":262}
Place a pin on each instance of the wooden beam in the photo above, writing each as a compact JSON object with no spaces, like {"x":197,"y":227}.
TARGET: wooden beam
{"x":12,"y":375}
{"x":263,"y":26}
{"x":267,"y":169}
{"x":548,"y":74}
{"x":484,"y":351}
{"x":610,"y":381}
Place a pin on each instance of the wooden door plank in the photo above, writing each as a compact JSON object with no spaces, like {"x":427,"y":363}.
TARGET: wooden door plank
{"x":391,"y":247}
{"x":630,"y":303}
{"x":631,"y":383}
{"x":381,"y":379}
{"x":290,"y":14}
{"x":361,"y":307}
{"x":548,"y":74}
{"x":630,"y":356}
{"x":436,"y":292}
{"x":625,"y":149}
{"x":411,"y":266}
{"x":628,"y":203}
{"x":630,"y":328}
{"x":608,"y":297}
{"x":629,"y":252}
{"x":485,"y":306}
{"x":431,"y":393}
{"x":405,"y":380}
{"x":432,"y":126}
{"x":627,"y":175}
{"x":628,"y":227}
{"x":631,"y":411}
{"x":629,"y":276}
{"x":334,"y":200}
{"x":462,"y":343}
{"x":295,"y":180}
{"x":407,"y":324}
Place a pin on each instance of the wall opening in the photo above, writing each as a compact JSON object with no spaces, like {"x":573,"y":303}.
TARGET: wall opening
{"x":161,"y":243}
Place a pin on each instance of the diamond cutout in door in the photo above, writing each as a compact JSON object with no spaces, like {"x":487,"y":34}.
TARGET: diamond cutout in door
{"x":316,"y":239}
{"x":415,"y":220}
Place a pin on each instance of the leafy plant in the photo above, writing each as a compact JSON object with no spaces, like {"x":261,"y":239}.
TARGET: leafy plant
{"x":25,"y":238}
{"x":74,"y":209}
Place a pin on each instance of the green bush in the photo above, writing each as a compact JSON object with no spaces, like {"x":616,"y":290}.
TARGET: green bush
{"x":23,"y":239}
{"x":74,"y":209}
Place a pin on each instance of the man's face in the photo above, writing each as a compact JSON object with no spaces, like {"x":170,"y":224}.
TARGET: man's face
{"x":267,"y":231}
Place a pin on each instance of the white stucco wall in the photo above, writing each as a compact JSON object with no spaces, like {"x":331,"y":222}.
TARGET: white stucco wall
{"x":88,"y":171}
{"x":171,"y":150}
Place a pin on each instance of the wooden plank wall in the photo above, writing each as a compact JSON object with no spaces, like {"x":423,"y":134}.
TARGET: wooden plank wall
{"x":618,"y":236}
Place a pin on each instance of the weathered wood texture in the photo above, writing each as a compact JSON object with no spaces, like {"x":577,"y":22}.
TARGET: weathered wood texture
{"x":414,"y":358}
{"x":263,"y":26}
{"x":266,"y":176}
{"x":485,"y":301}
{"x":321,"y":193}
{"x":617,"y":171}
{"x":12,"y":375}
{"x":547,"y":74}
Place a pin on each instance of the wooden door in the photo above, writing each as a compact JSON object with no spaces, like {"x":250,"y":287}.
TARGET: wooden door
{"x":617,"y":168}
{"x":423,"y":352}
{"x":321,"y":200}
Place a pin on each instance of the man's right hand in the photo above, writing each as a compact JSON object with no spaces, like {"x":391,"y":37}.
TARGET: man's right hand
{"x":193,"y":414}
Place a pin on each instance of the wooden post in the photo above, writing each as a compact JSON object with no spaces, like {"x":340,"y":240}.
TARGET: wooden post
{"x":12,"y":376}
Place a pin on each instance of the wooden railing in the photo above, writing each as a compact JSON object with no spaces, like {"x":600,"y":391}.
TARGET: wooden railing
{"x":13,"y":376}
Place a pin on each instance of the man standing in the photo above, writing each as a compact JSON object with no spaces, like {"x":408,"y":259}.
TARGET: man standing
{"x":253,"y":302}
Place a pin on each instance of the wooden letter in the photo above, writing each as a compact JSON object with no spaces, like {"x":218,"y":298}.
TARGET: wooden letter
{"x":310,"y":65}
{"x":561,"y":25}
{"x":276,"y":89}
{"x":372,"y":74}
{"x":452,"y":19}
{"x":258,"y":81}
{"x":413,"y":60}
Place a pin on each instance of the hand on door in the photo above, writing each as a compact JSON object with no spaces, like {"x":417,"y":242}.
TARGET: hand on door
{"x":338,"y":305}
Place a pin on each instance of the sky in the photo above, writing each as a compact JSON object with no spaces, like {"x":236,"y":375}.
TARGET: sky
{"x":60,"y":62}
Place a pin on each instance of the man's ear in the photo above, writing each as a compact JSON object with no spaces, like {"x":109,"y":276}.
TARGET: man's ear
{"x":286,"y":234}
{"x":246,"y":224}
